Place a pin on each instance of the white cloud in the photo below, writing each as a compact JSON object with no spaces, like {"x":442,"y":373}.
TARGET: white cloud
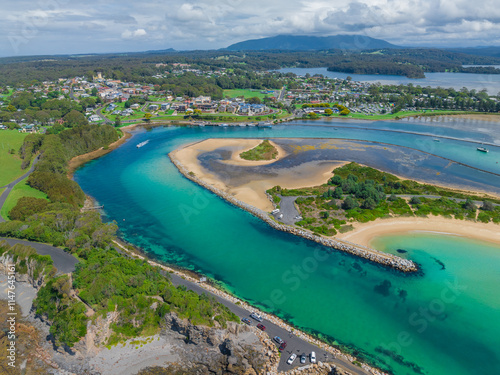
{"x":121,"y":25}
{"x":139,"y":33}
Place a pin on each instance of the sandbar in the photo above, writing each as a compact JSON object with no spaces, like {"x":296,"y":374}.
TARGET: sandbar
{"x":254,"y":193}
{"x":364,"y":233}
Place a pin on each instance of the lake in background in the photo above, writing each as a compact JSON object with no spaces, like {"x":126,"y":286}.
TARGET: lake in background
{"x":443,"y":322}
{"x":490,"y":82}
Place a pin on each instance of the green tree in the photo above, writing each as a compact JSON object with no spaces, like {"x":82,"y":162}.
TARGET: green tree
{"x":337,"y":194}
{"x":118,"y":122}
{"x":254,"y":100}
{"x":488,"y":206}
{"x":350,"y":203}
{"x":369,"y":204}
{"x":469,"y":205}
{"x":148,"y":116}
{"x":392,"y":198}
{"x":74,"y":118}
{"x":415,"y":200}
{"x":328,"y":112}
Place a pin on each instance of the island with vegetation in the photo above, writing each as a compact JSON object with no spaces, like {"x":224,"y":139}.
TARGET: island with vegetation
{"x":264,"y":151}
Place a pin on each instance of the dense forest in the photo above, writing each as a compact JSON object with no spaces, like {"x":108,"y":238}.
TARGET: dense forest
{"x":140,"y":67}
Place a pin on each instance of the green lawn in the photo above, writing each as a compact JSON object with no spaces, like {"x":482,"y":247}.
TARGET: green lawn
{"x":10,"y":164}
{"x":245,"y":92}
{"x":22,"y":189}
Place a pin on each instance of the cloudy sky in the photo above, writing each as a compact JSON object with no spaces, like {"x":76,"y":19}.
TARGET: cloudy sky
{"x":30,"y":27}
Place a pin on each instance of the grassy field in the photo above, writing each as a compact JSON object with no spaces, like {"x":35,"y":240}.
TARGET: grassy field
{"x":245,"y":92}
{"x":22,"y":189}
{"x":10,"y":163}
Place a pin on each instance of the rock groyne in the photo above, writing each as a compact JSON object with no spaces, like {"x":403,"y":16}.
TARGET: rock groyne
{"x":373,"y":255}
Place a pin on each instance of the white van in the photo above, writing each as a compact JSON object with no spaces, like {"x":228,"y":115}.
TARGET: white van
{"x":313,"y":357}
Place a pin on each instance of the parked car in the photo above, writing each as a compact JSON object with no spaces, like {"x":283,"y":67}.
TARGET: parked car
{"x":312,"y":357}
{"x":246,"y":321}
{"x":291,"y":359}
{"x":303,"y":358}
{"x":262,"y":327}
{"x":282,"y":347}
{"x":256,"y":316}
{"x":278,"y":340}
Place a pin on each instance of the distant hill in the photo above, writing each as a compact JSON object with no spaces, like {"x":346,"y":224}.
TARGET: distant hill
{"x":493,"y":51}
{"x":302,"y":43}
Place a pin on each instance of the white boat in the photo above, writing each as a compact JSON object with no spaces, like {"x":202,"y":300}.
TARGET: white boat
{"x":139,"y":145}
{"x":223,"y":125}
{"x":483,"y":149}
{"x":436,"y":140}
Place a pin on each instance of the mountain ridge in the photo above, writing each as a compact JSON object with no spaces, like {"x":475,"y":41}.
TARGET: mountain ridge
{"x":314,"y":43}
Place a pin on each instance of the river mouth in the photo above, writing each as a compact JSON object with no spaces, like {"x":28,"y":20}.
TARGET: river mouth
{"x":362,"y":306}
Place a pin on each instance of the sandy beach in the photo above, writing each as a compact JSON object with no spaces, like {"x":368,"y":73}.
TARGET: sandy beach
{"x":364,"y":233}
{"x":254,"y":192}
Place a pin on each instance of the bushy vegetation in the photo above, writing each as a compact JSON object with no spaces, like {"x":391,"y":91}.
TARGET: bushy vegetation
{"x":143,"y":294}
{"x":358,"y":193}
{"x":264,"y":151}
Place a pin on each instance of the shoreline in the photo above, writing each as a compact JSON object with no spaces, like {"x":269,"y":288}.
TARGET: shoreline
{"x":366,"y":233}
{"x":80,"y":160}
{"x":384,"y":259}
{"x":220,"y":292}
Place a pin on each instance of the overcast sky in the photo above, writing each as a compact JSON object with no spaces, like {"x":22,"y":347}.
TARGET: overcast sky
{"x":30,"y":27}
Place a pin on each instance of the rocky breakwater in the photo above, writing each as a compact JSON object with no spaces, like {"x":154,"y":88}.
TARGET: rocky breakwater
{"x":373,"y":255}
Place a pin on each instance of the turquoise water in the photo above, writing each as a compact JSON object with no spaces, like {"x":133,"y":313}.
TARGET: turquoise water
{"x":371,"y":311}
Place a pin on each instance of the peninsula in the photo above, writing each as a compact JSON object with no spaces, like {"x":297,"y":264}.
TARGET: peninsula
{"x":307,"y":199}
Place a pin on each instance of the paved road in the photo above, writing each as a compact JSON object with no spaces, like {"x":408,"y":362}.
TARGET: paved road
{"x":99,"y":113}
{"x":294,"y":344}
{"x":9,"y":187}
{"x":64,"y":262}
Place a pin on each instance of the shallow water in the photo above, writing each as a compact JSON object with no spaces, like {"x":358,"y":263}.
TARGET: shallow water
{"x":366,"y":308}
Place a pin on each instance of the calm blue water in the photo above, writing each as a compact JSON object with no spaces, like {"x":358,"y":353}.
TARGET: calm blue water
{"x":490,"y":82}
{"x":379,"y":314}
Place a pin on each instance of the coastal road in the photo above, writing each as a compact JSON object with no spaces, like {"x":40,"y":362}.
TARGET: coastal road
{"x":294,"y":344}
{"x":64,"y":262}
{"x":10,"y":186}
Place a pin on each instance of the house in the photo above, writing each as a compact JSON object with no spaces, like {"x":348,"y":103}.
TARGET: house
{"x":153,"y":107}
{"x":94,"y":118}
{"x":135,"y":106}
{"x":3,"y":127}
{"x":165,"y":106}
{"x":28,"y":128}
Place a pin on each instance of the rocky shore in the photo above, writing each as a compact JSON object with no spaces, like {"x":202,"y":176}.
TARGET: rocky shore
{"x":373,"y":255}
{"x":272,"y":366}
